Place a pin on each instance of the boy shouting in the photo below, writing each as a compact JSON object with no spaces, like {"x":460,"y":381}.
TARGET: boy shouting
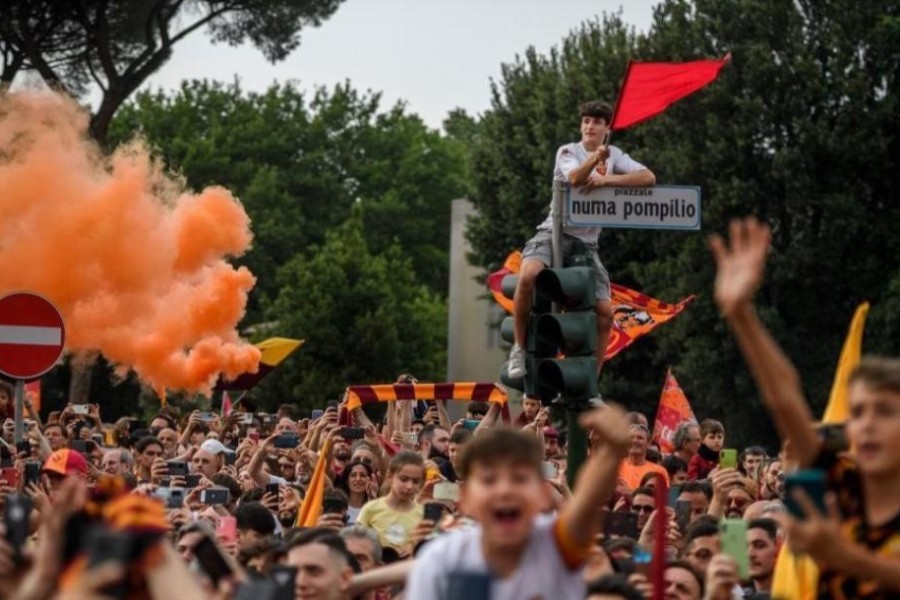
{"x":524,"y":554}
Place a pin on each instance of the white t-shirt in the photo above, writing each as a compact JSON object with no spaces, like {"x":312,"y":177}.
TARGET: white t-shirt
{"x":541,"y":575}
{"x":352,"y":513}
{"x":571,"y":156}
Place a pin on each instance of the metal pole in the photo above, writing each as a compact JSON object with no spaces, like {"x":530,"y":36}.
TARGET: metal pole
{"x":557,"y":211}
{"x":20,"y":409}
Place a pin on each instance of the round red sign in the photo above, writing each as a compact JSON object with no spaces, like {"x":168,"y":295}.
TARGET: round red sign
{"x":32,"y":335}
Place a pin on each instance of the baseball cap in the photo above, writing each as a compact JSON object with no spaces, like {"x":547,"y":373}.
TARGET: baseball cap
{"x":66,"y":462}
{"x":550,"y":432}
{"x":213,"y":446}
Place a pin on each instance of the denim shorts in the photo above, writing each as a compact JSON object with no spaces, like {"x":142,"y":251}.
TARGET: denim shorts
{"x":540,"y":247}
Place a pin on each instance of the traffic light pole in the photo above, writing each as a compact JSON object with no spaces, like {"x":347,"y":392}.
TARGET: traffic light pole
{"x":577,"y":438}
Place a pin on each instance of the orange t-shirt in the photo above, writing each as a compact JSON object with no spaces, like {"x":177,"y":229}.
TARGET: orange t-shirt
{"x":631,"y":475}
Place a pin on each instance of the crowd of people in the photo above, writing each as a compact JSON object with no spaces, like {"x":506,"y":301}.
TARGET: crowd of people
{"x":417,"y":506}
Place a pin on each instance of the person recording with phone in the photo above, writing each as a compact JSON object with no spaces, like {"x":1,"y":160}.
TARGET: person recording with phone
{"x":853,"y":532}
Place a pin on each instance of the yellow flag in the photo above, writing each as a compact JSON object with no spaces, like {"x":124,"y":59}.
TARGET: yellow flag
{"x":311,"y":508}
{"x":796,"y":576}
{"x":838,"y":408}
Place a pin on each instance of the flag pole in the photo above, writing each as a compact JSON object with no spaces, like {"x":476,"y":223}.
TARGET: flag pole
{"x":618,"y":103}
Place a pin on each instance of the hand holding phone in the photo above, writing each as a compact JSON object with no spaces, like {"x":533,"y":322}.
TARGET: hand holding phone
{"x":728,"y":458}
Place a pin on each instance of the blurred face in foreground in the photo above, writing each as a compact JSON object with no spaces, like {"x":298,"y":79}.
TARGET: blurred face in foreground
{"x":873,"y":429}
{"x":320,"y":574}
{"x":504,"y":497}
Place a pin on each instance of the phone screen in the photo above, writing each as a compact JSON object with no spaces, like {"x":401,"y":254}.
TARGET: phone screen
{"x":733,"y":536}
{"x":812,"y":482}
{"x":728,"y":458}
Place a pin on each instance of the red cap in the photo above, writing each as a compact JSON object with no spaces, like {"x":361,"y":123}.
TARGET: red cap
{"x":66,"y":462}
{"x":550,"y":432}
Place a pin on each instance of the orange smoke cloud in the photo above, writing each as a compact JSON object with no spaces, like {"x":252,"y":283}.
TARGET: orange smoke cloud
{"x":133,"y":261}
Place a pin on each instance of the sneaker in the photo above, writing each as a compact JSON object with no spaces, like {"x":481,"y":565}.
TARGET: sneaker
{"x":516,"y":367}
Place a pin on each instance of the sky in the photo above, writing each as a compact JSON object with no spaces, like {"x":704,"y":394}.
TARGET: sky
{"x":435,"y":55}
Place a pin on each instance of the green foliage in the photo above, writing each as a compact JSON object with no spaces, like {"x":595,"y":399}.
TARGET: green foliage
{"x":298,"y":164}
{"x":800,"y":130}
{"x":365,"y":318}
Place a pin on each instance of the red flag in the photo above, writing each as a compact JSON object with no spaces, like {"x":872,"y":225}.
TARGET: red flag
{"x":650,"y":88}
{"x":674,"y":409}
{"x":495,"y":280}
{"x":226,"y":404}
{"x":33,"y":392}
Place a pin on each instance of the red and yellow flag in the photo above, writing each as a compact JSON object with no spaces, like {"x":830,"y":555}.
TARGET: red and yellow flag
{"x":674,"y":409}
{"x":634,"y":314}
{"x":272,"y":352}
{"x":357,"y":395}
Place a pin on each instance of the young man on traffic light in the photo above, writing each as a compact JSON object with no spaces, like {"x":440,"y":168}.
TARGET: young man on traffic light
{"x":585,"y":164}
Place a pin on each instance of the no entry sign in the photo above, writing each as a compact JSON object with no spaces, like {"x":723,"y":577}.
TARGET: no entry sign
{"x":32,"y":335}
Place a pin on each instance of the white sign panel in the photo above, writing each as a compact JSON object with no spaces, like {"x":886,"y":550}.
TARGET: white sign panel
{"x":660,"y":207}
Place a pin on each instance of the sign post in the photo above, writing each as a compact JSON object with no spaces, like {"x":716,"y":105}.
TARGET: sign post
{"x":32,"y":339}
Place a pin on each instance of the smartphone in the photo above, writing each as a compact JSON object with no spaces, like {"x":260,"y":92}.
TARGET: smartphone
{"x":23,"y":447}
{"x":621,"y":524}
{"x":10,"y":476}
{"x":15,"y":516}
{"x":272,"y":488}
{"x":332,"y":404}
{"x":214,"y":495}
{"x":333,"y":506}
{"x":728,"y":458}
{"x":177,"y":468}
{"x":733,"y":538}
{"x":245,"y":418}
{"x":642,"y":561}
{"x":446,"y":491}
{"x":192,"y":480}
{"x":470,"y":424}
{"x":81,"y":409}
{"x":135,"y":425}
{"x":171,"y":497}
{"x":207,"y":416}
{"x":227,"y":528}
{"x":32,"y":473}
{"x":287,"y":441}
{"x":253,"y":435}
{"x":411,"y":438}
{"x":433,"y":511}
{"x":352,"y":433}
{"x":104,"y":546}
{"x":550,"y":469}
{"x":230,"y":458}
{"x":811,"y":481}
{"x":674,"y":492}
{"x":211,"y":560}
{"x":682,"y":514}
{"x":284,"y":578}
{"x":80,"y":446}
{"x":316,"y":413}
{"x":470,"y":585}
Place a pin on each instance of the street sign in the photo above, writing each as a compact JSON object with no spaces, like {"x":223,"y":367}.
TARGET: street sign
{"x":32,"y":336}
{"x":660,"y":207}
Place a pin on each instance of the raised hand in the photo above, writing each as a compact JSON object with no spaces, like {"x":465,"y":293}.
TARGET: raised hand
{"x":740,"y":263}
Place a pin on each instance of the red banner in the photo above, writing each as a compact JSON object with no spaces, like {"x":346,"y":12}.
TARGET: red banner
{"x":674,"y":409}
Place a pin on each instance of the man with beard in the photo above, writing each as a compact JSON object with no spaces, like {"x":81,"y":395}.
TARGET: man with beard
{"x":762,"y":551}
{"x":433,"y":443}
{"x":773,"y":481}
{"x":340,"y":455}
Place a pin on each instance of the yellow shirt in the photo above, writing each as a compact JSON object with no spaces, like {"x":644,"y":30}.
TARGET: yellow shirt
{"x":394,"y":528}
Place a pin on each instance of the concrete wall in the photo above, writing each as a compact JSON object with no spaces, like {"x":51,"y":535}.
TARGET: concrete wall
{"x":474,"y":348}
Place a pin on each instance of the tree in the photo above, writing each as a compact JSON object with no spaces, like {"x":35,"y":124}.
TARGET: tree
{"x":118,"y":44}
{"x":365,"y":318}
{"x":300,"y":163}
{"x":800,"y":130}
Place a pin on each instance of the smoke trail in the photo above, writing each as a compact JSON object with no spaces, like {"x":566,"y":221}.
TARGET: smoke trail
{"x":134,"y":262}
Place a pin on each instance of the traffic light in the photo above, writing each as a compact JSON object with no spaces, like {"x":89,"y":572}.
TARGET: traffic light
{"x":572,"y":333}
